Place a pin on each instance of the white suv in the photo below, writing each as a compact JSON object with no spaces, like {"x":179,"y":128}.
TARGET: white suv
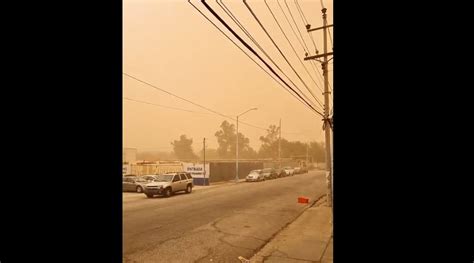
{"x":169,"y":183}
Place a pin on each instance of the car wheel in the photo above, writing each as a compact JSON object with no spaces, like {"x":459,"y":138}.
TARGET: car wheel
{"x":149,"y":195}
{"x":167,"y":192}
{"x":139,"y":189}
{"x":189,"y":189}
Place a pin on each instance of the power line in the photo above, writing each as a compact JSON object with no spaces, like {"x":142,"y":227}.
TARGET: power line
{"x":299,"y":32}
{"x":305,"y":22}
{"x":299,"y":59}
{"x":174,"y":95}
{"x":149,"y":103}
{"x":163,"y":106}
{"x":266,"y":32}
{"x":255,"y":53}
{"x":302,"y":39}
{"x":303,"y":17}
{"x":281,"y":8}
{"x":298,"y":99}
{"x":306,"y":50}
{"x":289,"y":42}
{"x":241,"y":26}
{"x":213,"y":111}
{"x":248,"y":124}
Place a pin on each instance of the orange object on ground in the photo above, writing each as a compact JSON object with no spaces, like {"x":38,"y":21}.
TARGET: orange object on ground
{"x":303,"y":200}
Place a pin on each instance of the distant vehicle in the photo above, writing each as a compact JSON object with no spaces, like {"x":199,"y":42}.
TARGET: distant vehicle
{"x":149,"y":178}
{"x":289,"y":171}
{"x":304,"y":169}
{"x":297,"y":170}
{"x":281,"y":172}
{"x":255,"y":176}
{"x":169,"y":183}
{"x":133,"y":184}
{"x":269,"y":173}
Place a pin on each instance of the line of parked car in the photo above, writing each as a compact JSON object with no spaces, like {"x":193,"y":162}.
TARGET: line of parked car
{"x":271,"y":173}
{"x":164,"y":184}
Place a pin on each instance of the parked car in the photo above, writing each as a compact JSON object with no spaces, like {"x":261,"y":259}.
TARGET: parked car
{"x":255,"y":176}
{"x":289,"y":171}
{"x":269,"y":173}
{"x":304,"y":169}
{"x":169,"y":183}
{"x":297,"y":170}
{"x":133,"y":184}
{"x":149,"y":178}
{"x":281,"y":172}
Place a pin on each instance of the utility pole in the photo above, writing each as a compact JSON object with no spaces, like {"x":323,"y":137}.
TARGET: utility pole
{"x":204,"y":153}
{"x":307,"y":149}
{"x":237,"y":147}
{"x":279,"y":147}
{"x":237,"y":153}
{"x":327,"y":126}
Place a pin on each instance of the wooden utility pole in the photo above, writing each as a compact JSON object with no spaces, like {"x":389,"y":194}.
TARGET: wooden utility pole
{"x":327,"y":126}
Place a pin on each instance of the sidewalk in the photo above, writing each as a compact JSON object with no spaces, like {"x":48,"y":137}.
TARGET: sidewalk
{"x":307,"y":239}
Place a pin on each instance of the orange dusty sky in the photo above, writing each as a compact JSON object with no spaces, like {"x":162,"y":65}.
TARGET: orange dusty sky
{"x":170,"y":45}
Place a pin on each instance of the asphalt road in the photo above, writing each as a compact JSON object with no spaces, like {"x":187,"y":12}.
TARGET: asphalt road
{"x":217,"y":224}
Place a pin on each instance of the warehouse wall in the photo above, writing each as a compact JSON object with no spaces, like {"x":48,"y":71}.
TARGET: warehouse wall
{"x":225,"y":171}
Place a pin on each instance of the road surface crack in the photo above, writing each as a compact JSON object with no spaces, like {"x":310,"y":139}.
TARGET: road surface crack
{"x":209,"y":252}
{"x":221,"y":239}
{"x":214,"y":225}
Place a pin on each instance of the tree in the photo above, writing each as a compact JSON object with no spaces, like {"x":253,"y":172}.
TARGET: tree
{"x":211,"y":154}
{"x":317,"y":151}
{"x":226,"y":138}
{"x":290,"y":149}
{"x":269,"y":147}
{"x":183,"y":149}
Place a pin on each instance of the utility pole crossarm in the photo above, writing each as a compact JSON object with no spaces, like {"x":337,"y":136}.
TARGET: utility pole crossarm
{"x":317,"y":28}
{"x":318,"y":56}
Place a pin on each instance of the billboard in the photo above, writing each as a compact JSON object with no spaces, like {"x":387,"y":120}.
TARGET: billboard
{"x":196,"y":170}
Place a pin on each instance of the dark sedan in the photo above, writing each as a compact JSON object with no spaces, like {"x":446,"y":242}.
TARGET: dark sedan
{"x":269,"y":173}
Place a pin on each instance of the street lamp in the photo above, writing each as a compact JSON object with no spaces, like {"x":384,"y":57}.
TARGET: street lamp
{"x":237,"y":147}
